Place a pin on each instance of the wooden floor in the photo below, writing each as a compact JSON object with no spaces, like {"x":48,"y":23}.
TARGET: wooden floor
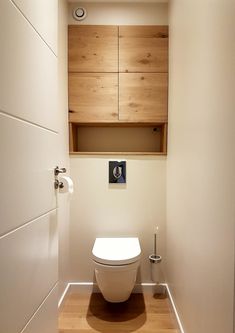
{"x":91,"y":313}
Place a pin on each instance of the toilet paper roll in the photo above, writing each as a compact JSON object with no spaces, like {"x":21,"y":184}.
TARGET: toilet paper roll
{"x":68,"y":185}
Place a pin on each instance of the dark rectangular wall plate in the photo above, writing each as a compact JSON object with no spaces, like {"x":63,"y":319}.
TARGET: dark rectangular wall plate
{"x":117,"y":172}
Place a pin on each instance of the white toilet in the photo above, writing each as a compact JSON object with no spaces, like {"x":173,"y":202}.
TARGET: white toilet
{"x":116,"y":262}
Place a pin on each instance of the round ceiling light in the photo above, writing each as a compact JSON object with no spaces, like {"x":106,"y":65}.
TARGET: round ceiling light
{"x":79,"y":13}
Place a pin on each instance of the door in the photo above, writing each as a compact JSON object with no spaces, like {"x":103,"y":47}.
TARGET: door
{"x":28,"y":137}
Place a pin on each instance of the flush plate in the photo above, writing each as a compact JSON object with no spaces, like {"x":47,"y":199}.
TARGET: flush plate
{"x":117,"y":172}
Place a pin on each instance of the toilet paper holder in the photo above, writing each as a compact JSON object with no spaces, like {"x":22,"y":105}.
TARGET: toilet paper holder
{"x":57,"y":183}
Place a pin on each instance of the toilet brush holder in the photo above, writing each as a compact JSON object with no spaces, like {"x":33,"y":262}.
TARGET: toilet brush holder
{"x":155,"y":261}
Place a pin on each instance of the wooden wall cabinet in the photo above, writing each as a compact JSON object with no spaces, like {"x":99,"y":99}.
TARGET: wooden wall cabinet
{"x":143,"y":97}
{"x":143,"y":49}
{"x":118,"y":77}
{"x":93,"y":97}
{"x":93,"y":49}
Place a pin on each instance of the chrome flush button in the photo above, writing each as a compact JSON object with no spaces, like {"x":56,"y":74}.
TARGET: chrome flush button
{"x":117,"y":172}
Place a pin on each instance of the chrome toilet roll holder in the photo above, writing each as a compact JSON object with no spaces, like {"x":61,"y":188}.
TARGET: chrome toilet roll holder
{"x":57,"y":183}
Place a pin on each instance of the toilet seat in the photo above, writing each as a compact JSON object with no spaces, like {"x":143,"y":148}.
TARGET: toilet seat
{"x":116,"y":251}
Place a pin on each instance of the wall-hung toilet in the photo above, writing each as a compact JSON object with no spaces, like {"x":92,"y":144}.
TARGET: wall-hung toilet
{"x":116,"y":263}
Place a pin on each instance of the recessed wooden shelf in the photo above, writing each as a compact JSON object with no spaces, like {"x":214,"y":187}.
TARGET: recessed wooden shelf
{"x":113,"y":139}
{"x":117,"y":153}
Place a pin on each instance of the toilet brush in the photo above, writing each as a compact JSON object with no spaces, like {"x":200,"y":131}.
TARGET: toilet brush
{"x":155,"y":258}
{"x":155,"y":242}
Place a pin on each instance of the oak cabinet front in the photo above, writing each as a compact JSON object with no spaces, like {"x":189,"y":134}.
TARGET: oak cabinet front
{"x":93,"y":97}
{"x":143,"y":97}
{"x":143,"y":49}
{"x":93,"y":48}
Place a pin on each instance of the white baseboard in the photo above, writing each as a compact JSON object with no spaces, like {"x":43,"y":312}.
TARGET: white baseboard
{"x":174,"y":308}
{"x":63,"y":295}
{"x":151,"y":288}
{"x":84,"y":287}
{"x":88,"y":287}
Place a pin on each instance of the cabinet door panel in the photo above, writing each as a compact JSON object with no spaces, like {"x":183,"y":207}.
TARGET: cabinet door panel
{"x":93,"y":97}
{"x":93,"y":48}
{"x":143,"y":97}
{"x":143,"y":49}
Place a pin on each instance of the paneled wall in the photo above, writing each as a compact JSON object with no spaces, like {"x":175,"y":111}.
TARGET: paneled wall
{"x":30,"y":133}
{"x":98,"y":209}
{"x":201,"y":164}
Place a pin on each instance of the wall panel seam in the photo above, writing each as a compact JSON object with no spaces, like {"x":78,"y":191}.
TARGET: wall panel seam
{"x":26,"y":224}
{"x":40,"y":306}
{"x":9,"y":115}
{"x":37,"y":32}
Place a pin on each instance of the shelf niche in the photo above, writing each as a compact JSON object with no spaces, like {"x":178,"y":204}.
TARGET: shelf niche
{"x":111,"y":139}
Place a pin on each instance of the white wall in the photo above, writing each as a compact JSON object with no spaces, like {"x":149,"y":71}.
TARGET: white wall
{"x":122,"y":13}
{"x":200,"y":164}
{"x":116,"y":210}
{"x":98,"y":209}
{"x":30,"y":133}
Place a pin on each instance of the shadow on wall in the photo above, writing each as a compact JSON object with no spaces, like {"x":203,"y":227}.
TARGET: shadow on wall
{"x":102,"y":315}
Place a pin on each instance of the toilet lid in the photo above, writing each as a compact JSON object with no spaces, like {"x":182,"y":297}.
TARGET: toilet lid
{"x":116,"y":251}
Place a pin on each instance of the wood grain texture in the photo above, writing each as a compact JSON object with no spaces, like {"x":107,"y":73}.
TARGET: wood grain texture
{"x":143,"y":97}
{"x":93,"y":48}
{"x":73,"y":137}
{"x":113,"y":138}
{"x":125,"y":153}
{"x":143,"y":49}
{"x":116,"y":139}
{"x":141,"y":313}
{"x":164,"y":139}
{"x":93,"y":97}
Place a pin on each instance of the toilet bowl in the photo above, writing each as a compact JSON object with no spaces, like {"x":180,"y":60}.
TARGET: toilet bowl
{"x":116,"y":261}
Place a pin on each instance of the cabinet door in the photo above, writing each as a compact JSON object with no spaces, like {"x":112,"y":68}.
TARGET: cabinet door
{"x":143,"y":97}
{"x":143,"y":49}
{"x":93,"y":48}
{"x":93,"y":97}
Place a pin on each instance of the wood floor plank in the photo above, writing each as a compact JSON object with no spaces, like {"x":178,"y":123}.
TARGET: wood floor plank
{"x":142,"y":313}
